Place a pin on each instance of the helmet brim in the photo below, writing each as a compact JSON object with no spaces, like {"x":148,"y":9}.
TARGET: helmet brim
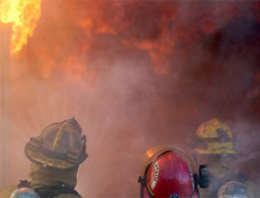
{"x":42,"y":159}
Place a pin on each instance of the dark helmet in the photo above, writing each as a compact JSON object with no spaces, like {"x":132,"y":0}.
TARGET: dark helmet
{"x":60,"y":145}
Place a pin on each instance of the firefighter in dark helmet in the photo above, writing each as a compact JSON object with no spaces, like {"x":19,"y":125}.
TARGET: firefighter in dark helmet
{"x":215,"y":145}
{"x":55,"y":155}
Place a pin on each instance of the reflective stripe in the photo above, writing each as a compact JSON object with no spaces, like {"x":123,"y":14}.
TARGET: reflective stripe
{"x":156,"y":174}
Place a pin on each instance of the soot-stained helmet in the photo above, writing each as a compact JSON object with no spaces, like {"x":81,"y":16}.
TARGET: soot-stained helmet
{"x":167,"y":172}
{"x":214,"y":138}
{"x":60,"y":145}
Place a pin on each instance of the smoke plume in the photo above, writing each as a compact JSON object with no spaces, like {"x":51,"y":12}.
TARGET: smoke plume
{"x":136,"y":74}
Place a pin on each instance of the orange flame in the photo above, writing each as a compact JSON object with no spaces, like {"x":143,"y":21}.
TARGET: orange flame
{"x":23,"y":15}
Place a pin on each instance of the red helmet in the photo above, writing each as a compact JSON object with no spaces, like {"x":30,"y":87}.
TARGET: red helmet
{"x":168,"y":173}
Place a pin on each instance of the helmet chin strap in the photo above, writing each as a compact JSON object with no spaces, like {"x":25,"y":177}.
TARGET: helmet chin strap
{"x":141,"y":180}
{"x":195,"y":189}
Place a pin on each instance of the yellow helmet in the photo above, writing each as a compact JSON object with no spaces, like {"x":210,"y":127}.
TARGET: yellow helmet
{"x":214,"y":137}
{"x":60,"y":145}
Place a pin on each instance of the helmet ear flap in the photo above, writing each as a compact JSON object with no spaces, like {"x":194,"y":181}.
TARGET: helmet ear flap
{"x":73,"y":155}
{"x":35,"y":143}
{"x":84,"y":139}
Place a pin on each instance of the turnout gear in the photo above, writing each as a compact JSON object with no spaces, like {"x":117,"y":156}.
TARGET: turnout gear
{"x":55,"y":154}
{"x":219,"y":176}
{"x":215,"y":145}
{"x":168,"y":172}
{"x":47,"y":189}
{"x":59,"y":146}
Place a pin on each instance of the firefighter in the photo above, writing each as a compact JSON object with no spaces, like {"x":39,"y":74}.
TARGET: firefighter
{"x":169,"y":172}
{"x":215,"y":145}
{"x":55,"y":155}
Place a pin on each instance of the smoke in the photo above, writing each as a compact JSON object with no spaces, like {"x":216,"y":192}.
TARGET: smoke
{"x":136,"y":74}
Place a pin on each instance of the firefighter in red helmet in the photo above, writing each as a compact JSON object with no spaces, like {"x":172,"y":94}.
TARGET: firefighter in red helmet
{"x":55,"y":155}
{"x":169,"y":172}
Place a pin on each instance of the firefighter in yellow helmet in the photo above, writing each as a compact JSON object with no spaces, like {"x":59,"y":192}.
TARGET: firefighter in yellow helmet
{"x":215,"y":145}
{"x":55,"y":155}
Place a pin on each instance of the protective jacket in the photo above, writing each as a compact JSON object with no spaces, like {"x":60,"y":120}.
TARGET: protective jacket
{"x":219,"y":174}
{"x":215,"y":145}
{"x":44,"y":189}
{"x":50,"y":192}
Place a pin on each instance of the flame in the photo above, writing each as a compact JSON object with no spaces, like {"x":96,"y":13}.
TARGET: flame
{"x":23,"y":15}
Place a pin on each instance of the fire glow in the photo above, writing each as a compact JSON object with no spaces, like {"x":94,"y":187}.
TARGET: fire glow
{"x":23,"y":15}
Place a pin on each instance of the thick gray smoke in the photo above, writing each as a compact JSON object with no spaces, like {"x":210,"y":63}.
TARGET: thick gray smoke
{"x":136,"y":74}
